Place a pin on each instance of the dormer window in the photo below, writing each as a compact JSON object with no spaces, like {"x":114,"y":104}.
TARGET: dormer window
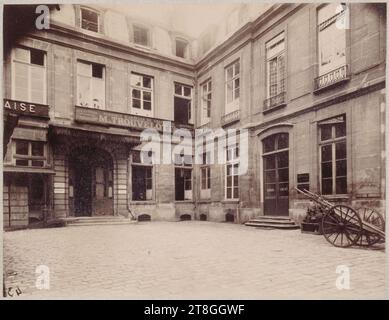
{"x":141,"y":35}
{"x":89,"y":20}
{"x":181,"y":48}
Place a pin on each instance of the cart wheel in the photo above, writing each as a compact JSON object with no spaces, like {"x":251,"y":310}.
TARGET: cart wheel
{"x":342,"y":226}
{"x":375,"y":218}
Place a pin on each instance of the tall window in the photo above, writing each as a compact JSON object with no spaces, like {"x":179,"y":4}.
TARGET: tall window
{"x":206,"y":99}
{"x":232,"y":87}
{"x":333,"y":156}
{"x":29,"y":75}
{"x":181,"y":48}
{"x":89,"y":20}
{"x":141,"y":35}
{"x":142,"y":94}
{"x":142,"y":178}
{"x":29,"y":153}
{"x":232,"y":172}
{"x":205,"y":169}
{"x":91,"y":85}
{"x":331,"y":37}
{"x":275,"y":75}
{"x":183,"y":177}
{"x":182,"y":103}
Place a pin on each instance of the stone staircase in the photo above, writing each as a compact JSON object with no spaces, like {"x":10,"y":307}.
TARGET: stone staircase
{"x":98,"y":220}
{"x":273,"y":222}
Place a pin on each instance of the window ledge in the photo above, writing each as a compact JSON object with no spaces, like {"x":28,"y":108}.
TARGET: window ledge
{"x":140,"y":202}
{"x":230,"y":201}
{"x":332,"y":79}
{"x":336,"y":197}
{"x":273,"y":108}
{"x":184,"y":201}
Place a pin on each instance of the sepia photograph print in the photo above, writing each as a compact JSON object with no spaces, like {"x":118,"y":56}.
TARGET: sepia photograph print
{"x":184,"y":150}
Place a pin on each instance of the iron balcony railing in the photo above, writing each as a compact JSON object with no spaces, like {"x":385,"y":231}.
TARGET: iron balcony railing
{"x":274,"y":101}
{"x":333,"y":77}
{"x":231,"y":117}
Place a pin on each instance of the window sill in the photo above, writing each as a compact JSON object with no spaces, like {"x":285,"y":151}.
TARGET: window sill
{"x":274,"y":108}
{"x":184,"y":201}
{"x":231,"y":201}
{"x":336,"y":197}
{"x":140,"y":202}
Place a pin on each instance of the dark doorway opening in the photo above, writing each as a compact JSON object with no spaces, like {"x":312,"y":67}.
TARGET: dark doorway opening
{"x":91,"y":178}
{"x":181,"y":110}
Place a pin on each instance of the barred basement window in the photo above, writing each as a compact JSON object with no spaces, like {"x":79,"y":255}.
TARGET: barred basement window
{"x":29,"y":75}
{"x":29,"y":153}
{"x":89,"y":20}
{"x":333,"y":156}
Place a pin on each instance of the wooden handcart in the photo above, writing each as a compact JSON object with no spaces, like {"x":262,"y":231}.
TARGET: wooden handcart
{"x":344,"y":226}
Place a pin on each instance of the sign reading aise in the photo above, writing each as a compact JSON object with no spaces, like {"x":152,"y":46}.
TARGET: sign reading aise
{"x":116,"y":119}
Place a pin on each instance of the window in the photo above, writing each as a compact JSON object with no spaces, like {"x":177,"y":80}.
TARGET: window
{"x":232,"y":87}
{"x":331,"y":37}
{"x":333,"y":156}
{"x":205,"y":178}
{"x":206,"y":98}
{"x":89,"y":20}
{"x":91,"y":85}
{"x":183,"y":177}
{"x":29,"y":75}
{"x":29,"y":153}
{"x":182,"y":103}
{"x":206,"y":42}
{"x":181,"y":48}
{"x":141,"y":35}
{"x":142,"y":94}
{"x":275,"y":75}
{"x":142,"y":178}
{"x":232,"y":172}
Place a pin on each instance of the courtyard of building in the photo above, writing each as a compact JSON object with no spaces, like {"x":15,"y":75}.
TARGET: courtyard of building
{"x":186,"y":260}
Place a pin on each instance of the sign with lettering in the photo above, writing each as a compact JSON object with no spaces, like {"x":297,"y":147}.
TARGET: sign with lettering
{"x":116,"y":119}
{"x":26,"y":108}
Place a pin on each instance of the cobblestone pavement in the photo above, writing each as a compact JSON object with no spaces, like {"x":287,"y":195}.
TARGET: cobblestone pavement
{"x":185,"y":260}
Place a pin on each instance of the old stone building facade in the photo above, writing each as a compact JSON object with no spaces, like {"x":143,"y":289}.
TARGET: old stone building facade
{"x":306,"y":80}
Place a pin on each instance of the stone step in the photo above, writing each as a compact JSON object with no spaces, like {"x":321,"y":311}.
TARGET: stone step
{"x":272,"y":226}
{"x":273,"y":218}
{"x":106,"y":223}
{"x":100,"y":220}
{"x":289,"y":221}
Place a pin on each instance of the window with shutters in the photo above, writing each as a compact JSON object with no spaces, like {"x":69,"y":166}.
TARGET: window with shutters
{"x":90,"y":85}
{"x":29,"y":75}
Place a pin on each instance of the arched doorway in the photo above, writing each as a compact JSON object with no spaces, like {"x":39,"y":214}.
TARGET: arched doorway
{"x":276,"y":174}
{"x":91,"y":182}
